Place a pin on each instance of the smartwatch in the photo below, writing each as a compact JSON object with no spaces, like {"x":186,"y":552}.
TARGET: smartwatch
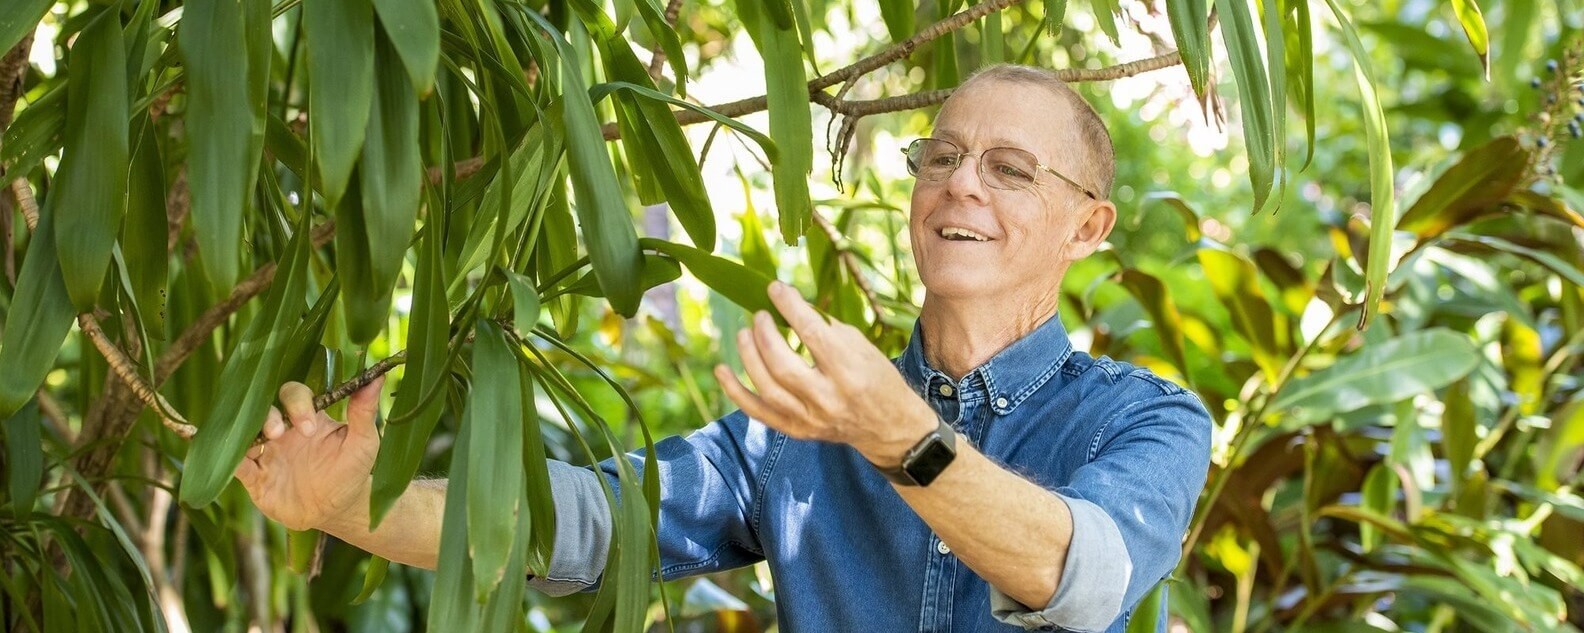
{"x":926,"y":460}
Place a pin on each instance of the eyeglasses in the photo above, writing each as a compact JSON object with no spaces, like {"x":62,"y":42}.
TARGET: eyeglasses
{"x":1007,"y":168}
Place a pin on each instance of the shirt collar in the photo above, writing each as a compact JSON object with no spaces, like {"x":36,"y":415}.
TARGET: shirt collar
{"x":1009,"y":377}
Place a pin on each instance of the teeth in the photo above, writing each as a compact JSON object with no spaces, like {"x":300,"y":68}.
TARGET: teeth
{"x":952,"y":231}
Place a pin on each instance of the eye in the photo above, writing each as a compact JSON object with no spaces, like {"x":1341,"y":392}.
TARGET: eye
{"x":1013,"y":172}
{"x":943,"y":159}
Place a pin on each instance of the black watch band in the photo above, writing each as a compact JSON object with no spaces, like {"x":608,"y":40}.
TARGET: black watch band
{"x":925,"y":461}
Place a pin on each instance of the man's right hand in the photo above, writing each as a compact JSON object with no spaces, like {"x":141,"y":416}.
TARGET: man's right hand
{"x":317,"y":470}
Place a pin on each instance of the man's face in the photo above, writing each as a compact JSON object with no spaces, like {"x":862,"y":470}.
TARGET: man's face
{"x":1028,"y":234}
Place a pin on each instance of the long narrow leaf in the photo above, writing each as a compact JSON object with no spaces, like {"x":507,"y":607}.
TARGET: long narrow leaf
{"x":495,"y":466}
{"x":1191,"y":28}
{"x":340,"y":37}
{"x":37,"y":321}
{"x":92,"y":187}
{"x":413,"y":27}
{"x":1259,"y":134}
{"x":788,"y":96}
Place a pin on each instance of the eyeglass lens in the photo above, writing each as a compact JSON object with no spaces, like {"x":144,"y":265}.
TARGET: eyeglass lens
{"x":1001,"y":168}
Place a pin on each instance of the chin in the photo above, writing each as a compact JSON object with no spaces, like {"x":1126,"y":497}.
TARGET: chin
{"x":962,"y":284}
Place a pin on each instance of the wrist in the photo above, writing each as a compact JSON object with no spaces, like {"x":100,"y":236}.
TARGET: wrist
{"x":351,"y":518}
{"x":915,"y":425}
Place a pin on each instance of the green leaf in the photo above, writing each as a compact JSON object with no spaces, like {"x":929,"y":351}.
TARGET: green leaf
{"x":145,"y":233}
{"x":992,"y":44}
{"x":540,"y":531}
{"x":1482,"y":179}
{"x":755,"y":249}
{"x":254,"y":368}
{"x":452,"y":603}
{"x":1458,"y":431}
{"x":428,"y":334}
{"x":1190,"y":25}
{"x":1164,"y":317}
{"x":765,"y":143}
{"x":413,"y":27}
{"x":1299,"y":35}
{"x":340,"y":40}
{"x":37,"y":132}
{"x":1146,"y":616}
{"x":654,"y":18}
{"x":742,"y":285}
{"x":788,"y":97}
{"x":1258,"y":113}
{"x":92,"y":187}
{"x":1055,"y":14}
{"x":24,"y":457}
{"x":39,"y":317}
{"x":219,"y":124}
{"x":302,"y":547}
{"x":391,"y":180}
{"x":1468,"y":14}
{"x":1235,"y":282}
{"x":19,"y":19}
{"x":525,"y":302}
{"x":1556,"y":264}
{"x":373,"y":577}
{"x":1402,"y":367}
{"x":608,"y":231}
{"x":1383,"y":207}
{"x":1105,"y":12}
{"x":898,"y":16}
{"x":495,"y":460}
{"x":657,"y":270}
{"x":1379,"y":497}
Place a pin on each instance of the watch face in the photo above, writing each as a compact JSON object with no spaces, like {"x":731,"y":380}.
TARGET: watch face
{"x":931,"y":459}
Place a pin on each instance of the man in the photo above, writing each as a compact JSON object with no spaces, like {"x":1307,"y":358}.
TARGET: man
{"x":990,"y":478}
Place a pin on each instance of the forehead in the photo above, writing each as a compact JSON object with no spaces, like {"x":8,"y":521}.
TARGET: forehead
{"x":997,"y":113}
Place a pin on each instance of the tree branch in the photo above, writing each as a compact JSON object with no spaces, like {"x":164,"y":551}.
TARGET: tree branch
{"x":849,"y":260}
{"x":126,"y":370}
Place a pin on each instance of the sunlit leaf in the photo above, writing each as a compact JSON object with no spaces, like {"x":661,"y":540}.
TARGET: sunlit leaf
{"x":92,"y":176}
{"x":1411,"y":364}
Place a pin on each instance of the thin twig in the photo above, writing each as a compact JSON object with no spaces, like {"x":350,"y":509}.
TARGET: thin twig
{"x":55,"y":416}
{"x":463,"y":168}
{"x":126,"y":370}
{"x":344,"y":390}
{"x":849,"y":260}
{"x":24,"y":196}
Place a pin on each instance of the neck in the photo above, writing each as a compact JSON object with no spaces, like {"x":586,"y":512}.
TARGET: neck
{"x":961,"y":335}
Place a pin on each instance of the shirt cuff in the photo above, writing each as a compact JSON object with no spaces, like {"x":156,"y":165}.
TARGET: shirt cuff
{"x":1093,"y":582}
{"x":583,"y":531}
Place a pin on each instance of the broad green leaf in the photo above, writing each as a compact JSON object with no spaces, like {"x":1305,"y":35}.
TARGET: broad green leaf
{"x":428,"y":333}
{"x":607,"y":225}
{"x":1294,"y":290}
{"x":1563,"y":442}
{"x":1234,"y":281}
{"x":39,"y":317}
{"x":1191,"y":28}
{"x":413,"y":27}
{"x":1383,"y":206}
{"x":19,"y":19}
{"x":254,"y":367}
{"x":147,"y":228}
{"x":219,"y":122}
{"x":755,"y":249}
{"x":495,"y":457}
{"x":525,"y":302}
{"x":1190,"y":218}
{"x":1473,"y":21}
{"x":657,"y":270}
{"x":1556,"y":264}
{"x":37,"y":132}
{"x":24,"y":457}
{"x":452,"y":604}
{"x":391,"y":181}
{"x":737,"y":282}
{"x":898,"y":16}
{"x":1164,"y":317}
{"x":340,"y":40}
{"x":1258,"y":113}
{"x":1479,"y":181}
{"x":534,"y":173}
{"x":788,"y":97}
{"x":1402,"y":367}
{"x":92,"y":176}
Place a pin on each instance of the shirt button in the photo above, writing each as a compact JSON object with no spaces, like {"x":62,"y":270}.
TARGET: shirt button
{"x":945,"y":390}
{"x":940,"y":546}
{"x":1001,"y":403}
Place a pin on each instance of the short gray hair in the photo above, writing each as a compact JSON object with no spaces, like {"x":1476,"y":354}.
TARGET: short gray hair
{"x":1099,"y":170}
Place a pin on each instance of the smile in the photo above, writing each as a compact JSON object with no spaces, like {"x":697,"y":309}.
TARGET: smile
{"x":962,"y":235}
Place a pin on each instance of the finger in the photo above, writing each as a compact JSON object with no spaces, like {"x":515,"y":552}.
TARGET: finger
{"x":810,"y":326}
{"x":770,"y":389}
{"x":274,"y":424}
{"x":248,"y":473}
{"x":362,"y":408}
{"x":297,"y":399}
{"x":789,"y":369}
{"x":745,"y":399}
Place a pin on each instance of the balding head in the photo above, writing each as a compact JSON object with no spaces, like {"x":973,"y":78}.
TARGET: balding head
{"x":1098,"y":159}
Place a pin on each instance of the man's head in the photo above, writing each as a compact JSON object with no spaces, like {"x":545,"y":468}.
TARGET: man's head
{"x":1022,"y":239}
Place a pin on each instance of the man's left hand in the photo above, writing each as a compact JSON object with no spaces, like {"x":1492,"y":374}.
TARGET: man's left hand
{"x":852,"y":394}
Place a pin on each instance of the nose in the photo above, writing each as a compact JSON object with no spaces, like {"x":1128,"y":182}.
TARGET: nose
{"x":965,"y":182}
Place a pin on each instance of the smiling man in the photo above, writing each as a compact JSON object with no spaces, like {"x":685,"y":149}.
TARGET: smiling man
{"x":992,"y":477}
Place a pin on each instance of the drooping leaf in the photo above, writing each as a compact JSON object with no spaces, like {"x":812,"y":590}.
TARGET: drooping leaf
{"x":340,"y":40}
{"x":1235,"y":282}
{"x":1383,"y":206}
{"x":219,"y":121}
{"x":1473,"y":21}
{"x":1258,"y":113}
{"x":1299,"y":35}
{"x":147,"y":228}
{"x":24,"y":457}
{"x":788,"y":96}
{"x":254,"y":367}
{"x":1411,"y":364}
{"x":495,"y":466}
{"x":373,"y":577}
{"x":92,"y":176}
{"x":1484,"y":177}
{"x":744,"y":286}
{"x":413,"y":27}
{"x":1105,"y":13}
{"x":1191,"y":28}
{"x":452,"y":604}
{"x":19,"y":19}
{"x":1164,"y":317}
{"x":37,"y":321}
{"x":1055,"y":14}
{"x":525,"y":302}
{"x":654,"y":18}
{"x":38,"y":131}
{"x":1547,"y":259}
{"x":898,"y":16}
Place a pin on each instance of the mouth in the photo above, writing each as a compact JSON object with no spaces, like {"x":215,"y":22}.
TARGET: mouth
{"x":959,"y":234}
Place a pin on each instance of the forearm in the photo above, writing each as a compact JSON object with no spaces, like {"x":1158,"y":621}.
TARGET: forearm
{"x":1024,"y":553}
{"x":410,"y":531}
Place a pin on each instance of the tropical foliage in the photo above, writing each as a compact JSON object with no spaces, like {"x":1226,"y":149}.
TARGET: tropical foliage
{"x":508,"y":207}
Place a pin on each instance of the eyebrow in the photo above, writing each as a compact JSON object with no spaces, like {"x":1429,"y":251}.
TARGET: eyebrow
{"x":998,"y":141}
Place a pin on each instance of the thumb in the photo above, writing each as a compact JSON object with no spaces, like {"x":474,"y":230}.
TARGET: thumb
{"x":362,"y":408}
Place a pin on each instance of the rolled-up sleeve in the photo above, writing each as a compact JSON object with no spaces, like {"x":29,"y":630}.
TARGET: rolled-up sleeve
{"x":582,"y":535}
{"x":1130,"y":505}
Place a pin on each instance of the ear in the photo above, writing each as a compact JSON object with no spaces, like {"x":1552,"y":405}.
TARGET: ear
{"x":1094,"y":226}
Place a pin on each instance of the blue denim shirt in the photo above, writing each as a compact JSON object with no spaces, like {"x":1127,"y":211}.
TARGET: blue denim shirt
{"x":1126,"y":450}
